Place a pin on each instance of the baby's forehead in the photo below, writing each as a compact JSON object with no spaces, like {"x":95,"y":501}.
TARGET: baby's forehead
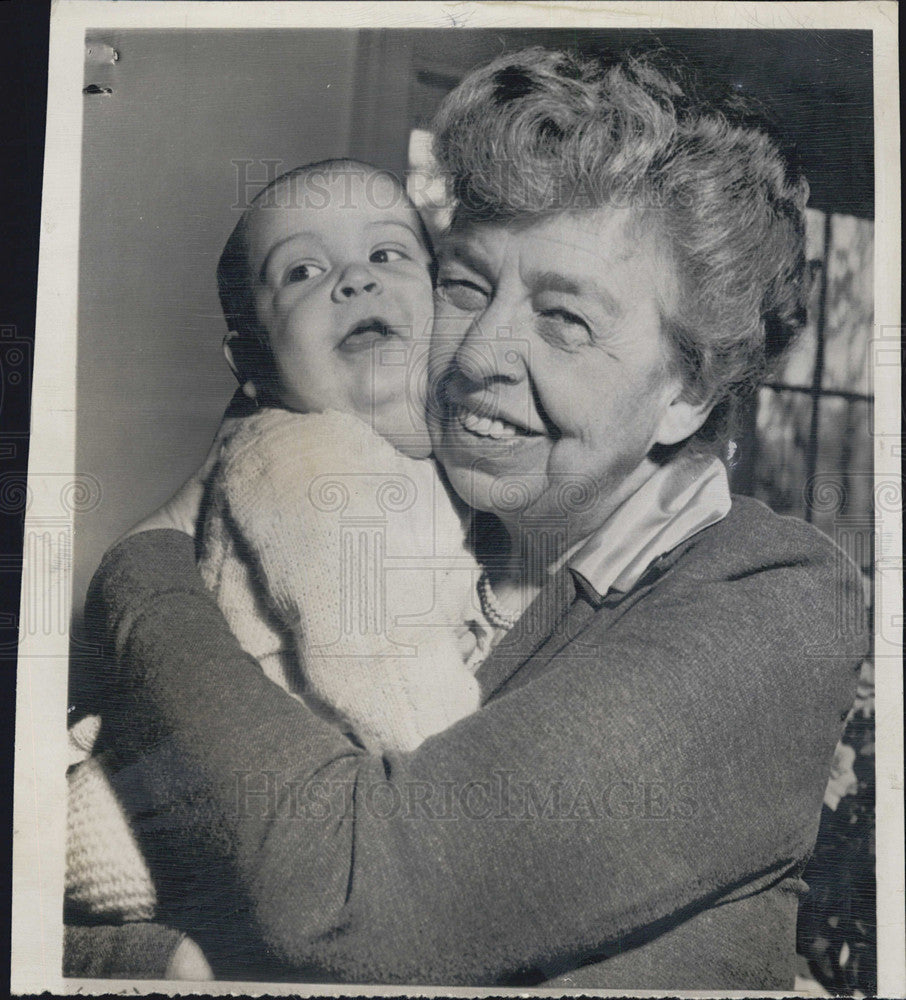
{"x":323,"y":200}
{"x":347,"y":186}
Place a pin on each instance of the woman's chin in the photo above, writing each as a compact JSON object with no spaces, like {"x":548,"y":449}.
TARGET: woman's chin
{"x":481,"y":467}
{"x":504,"y":494}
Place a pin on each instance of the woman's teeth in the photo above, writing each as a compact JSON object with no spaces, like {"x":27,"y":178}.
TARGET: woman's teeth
{"x":490,"y":427}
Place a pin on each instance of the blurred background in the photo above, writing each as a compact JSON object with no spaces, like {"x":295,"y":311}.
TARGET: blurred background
{"x":182,"y":128}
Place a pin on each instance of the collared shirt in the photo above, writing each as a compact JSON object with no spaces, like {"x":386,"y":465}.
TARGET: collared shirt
{"x":682,"y":498}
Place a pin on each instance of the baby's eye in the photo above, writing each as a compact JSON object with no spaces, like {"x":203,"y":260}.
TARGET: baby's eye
{"x":386,"y":255}
{"x":462,"y":294}
{"x":302,"y":272}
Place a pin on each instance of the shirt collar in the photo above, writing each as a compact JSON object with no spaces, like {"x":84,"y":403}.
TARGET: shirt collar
{"x":682,"y":498}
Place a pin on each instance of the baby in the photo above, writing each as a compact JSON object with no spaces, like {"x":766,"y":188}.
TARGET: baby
{"x":329,"y":539}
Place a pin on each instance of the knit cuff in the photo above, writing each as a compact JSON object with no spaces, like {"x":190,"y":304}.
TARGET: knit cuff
{"x":123,"y":951}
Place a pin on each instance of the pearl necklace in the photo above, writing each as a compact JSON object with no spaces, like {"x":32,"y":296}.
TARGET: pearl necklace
{"x":490,"y":605}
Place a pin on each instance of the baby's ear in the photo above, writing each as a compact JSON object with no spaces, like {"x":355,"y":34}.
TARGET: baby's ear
{"x":230,"y":354}
{"x":243,"y":356}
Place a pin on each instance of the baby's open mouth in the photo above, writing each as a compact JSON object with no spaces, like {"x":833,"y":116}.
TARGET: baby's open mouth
{"x":367,"y":332}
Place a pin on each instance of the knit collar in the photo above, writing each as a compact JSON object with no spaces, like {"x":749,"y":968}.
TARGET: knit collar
{"x":682,"y":498}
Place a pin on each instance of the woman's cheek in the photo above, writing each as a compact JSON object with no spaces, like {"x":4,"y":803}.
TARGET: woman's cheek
{"x":448,"y":332}
{"x":441,"y":351}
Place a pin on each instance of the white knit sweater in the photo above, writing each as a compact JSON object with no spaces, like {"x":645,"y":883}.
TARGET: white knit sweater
{"x":328,"y":549}
{"x":340,"y":565}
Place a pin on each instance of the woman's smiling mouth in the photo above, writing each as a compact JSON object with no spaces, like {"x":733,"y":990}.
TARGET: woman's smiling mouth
{"x":496,"y":428}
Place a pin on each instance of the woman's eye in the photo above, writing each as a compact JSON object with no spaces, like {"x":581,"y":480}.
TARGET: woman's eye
{"x":563,"y":328}
{"x":564,"y":316}
{"x":386,"y":255}
{"x":302,"y":272}
{"x":462,"y":294}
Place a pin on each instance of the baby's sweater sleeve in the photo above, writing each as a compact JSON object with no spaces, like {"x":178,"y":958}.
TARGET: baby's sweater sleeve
{"x":107,"y":877}
{"x":358,"y":553}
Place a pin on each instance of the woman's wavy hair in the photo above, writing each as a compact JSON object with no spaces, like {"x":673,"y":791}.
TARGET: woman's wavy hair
{"x":541,"y":132}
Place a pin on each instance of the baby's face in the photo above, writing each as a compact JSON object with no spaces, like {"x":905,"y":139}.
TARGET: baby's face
{"x":343,"y":290}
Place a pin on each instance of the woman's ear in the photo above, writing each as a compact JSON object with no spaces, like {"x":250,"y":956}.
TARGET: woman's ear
{"x":681,"y":420}
{"x":236,"y":350}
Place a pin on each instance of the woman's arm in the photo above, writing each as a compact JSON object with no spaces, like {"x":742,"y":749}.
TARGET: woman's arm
{"x":627,"y":783}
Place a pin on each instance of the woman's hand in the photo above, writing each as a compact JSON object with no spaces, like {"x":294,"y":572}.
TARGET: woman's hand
{"x":181,"y":511}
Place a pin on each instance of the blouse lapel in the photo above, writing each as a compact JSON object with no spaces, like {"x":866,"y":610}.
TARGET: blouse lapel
{"x":557,"y":618}
{"x":563,"y":619}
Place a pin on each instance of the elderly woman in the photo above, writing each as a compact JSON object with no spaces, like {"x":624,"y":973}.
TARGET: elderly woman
{"x":634,"y":803}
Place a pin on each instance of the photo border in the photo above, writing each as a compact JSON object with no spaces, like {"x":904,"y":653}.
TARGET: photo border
{"x":41,"y":708}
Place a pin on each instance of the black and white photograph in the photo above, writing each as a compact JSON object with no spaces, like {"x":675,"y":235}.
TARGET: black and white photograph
{"x":463,"y":516}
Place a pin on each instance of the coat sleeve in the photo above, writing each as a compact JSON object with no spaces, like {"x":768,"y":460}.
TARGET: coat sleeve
{"x":676,"y":761}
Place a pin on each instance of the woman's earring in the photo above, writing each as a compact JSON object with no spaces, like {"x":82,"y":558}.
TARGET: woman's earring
{"x":249,"y":390}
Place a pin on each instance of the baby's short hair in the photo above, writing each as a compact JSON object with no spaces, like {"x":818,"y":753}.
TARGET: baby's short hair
{"x":235,"y":283}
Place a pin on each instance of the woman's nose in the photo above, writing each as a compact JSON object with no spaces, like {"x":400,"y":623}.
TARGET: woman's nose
{"x":356,"y":279}
{"x":491,"y":351}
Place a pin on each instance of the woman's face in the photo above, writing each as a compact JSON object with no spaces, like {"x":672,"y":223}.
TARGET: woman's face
{"x":551,"y":374}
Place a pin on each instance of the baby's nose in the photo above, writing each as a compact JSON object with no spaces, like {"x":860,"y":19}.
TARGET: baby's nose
{"x":355,"y":280}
